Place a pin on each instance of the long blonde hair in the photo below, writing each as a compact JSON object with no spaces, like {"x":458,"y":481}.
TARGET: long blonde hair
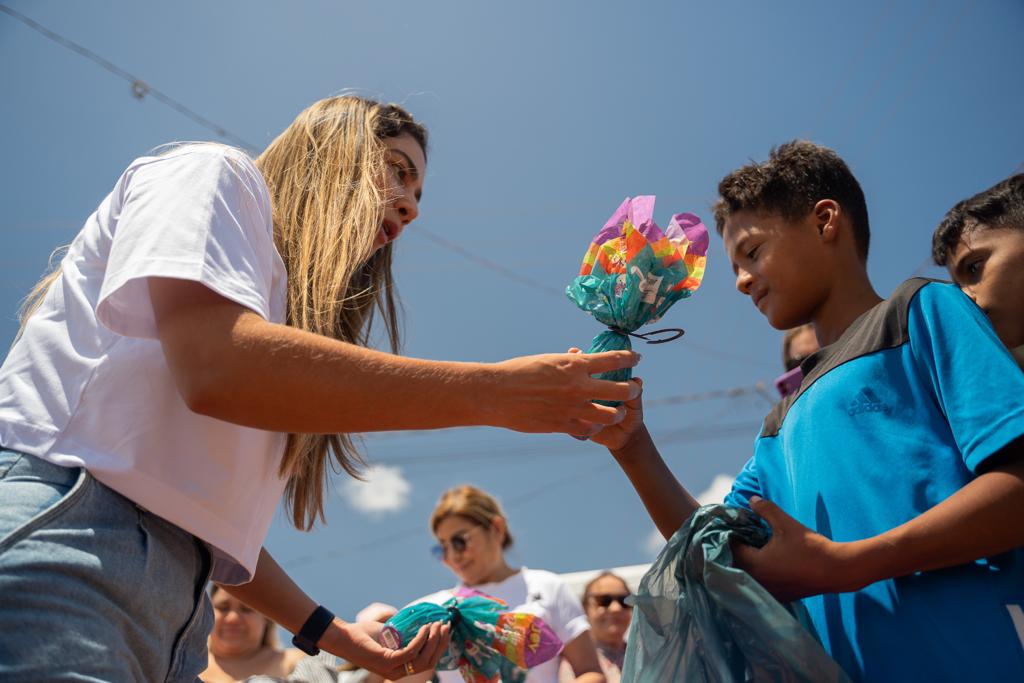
{"x":326,"y":174}
{"x":34,"y":299}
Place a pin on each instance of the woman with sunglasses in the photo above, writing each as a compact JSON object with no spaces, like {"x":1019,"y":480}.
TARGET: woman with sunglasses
{"x":604,"y":600}
{"x":472,"y":536}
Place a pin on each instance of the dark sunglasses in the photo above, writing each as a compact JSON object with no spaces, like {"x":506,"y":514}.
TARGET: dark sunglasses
{"x":458,"y":543}
{"x":606,"y":600}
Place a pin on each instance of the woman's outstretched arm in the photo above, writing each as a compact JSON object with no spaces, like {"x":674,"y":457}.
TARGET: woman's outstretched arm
{"x":231,"y":364}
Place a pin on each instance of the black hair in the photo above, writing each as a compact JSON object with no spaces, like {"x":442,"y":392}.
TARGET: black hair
{"x":797,"y":175}
{"x":1000,"y":206}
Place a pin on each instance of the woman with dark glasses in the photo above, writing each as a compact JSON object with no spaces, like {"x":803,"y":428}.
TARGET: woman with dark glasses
{"x":472,"y":536}
{"x":604,"y":600}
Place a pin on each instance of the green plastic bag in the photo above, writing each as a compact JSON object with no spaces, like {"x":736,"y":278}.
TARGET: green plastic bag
{"x":699,"y":619}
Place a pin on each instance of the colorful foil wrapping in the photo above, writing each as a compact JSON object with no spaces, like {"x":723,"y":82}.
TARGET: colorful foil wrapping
{"x":489,"y":643}
{"x":634,"y":271}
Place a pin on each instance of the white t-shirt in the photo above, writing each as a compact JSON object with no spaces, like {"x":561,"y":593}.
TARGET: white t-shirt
{"x":87,"y":385}
{"x":536,"y":592}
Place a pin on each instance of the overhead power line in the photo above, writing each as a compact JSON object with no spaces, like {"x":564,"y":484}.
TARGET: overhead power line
{"x":866,"y":42}
{"x":759,"y":389}
{"x":485,"y":262}
{"x":691,"y":434}
{"x":547,"y":289}
{"x":866,"y":103}
{"x":420,"y":529}
{"x":552,"y":451}
{"x":139,"y":88}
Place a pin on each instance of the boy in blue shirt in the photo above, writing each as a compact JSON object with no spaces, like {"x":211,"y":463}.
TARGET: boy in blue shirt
{"x":893,"y":479}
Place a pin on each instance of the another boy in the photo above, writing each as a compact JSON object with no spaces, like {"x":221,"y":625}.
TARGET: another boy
{"x":981,"y":243}
{"x":901,"y":455}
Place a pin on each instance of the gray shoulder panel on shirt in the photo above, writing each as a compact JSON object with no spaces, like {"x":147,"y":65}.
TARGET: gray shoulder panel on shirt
{"x":882,"y":327}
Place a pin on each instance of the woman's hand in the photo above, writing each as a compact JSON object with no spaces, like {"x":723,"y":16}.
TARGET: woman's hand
{"x":358,"y":644}
{"x":617,"y":436}
{"x":796,"y":562}
{"x":555,"y":392}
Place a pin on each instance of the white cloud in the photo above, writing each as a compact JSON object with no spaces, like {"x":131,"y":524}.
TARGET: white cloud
{"x":654,"y":542}
{"x":714,"y":493}
{"x":385,"y":490}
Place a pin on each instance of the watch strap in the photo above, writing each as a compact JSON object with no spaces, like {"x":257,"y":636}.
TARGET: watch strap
{"x":311,"y":632}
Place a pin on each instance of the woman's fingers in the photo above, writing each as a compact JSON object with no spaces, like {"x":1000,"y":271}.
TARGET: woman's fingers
{"x":607,"y":361}
{"x":555,"y":392}
{"x":435,"y":647}
{"x":600,"y":415}
{"x":412,"y":650}
{"x":604,"y":390}
{"x":581,"y":429}
{"x":423,"y":652}
{"x":635,"y":403}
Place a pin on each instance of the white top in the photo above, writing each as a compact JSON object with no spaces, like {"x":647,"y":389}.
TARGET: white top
{"x":87,"y":385}
{"x":536,"y":592}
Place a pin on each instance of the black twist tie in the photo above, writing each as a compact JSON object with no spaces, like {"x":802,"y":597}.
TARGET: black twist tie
{"x":675,"y":332}
{"x":456,"y":616}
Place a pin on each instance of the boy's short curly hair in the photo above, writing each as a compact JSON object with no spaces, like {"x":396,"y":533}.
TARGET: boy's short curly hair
{"x":797,"y":175}
{"x":1000,"y":206}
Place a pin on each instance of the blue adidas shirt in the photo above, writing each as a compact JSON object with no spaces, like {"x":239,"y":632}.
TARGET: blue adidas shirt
{"x":897,"y":415}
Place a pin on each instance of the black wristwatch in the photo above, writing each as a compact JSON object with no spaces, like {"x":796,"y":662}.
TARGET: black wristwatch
{"x":311,"y":632}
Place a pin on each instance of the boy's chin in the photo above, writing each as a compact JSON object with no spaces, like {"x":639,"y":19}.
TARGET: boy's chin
{"x":783,"y":321}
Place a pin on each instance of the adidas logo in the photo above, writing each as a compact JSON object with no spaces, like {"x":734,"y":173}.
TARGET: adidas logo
{"x":867,"y":401}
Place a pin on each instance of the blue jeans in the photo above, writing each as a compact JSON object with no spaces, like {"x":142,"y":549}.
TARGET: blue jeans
{"x":92,"y":587}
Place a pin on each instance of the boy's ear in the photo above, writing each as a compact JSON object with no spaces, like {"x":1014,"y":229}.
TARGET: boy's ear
{"x":826,"y":216}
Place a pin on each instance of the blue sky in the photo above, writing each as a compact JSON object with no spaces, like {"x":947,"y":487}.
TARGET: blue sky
{"x":543,"y":116}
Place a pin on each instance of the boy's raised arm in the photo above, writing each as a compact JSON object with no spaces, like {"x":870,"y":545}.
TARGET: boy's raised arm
{"x":667,"y":502}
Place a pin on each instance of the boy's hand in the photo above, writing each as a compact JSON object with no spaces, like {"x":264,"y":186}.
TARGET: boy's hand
{"x":615,"y":437}
{"x":796,"y":562}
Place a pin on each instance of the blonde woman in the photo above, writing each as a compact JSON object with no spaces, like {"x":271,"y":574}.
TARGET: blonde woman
{"x":472,"y":536}
{"x":199,"y":353}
